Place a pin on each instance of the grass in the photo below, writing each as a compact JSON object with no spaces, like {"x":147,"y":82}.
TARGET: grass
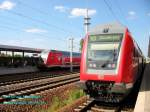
{"x":58,"y":103}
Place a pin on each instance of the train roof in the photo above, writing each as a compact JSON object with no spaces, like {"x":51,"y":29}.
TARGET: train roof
{"x":108,"y":28}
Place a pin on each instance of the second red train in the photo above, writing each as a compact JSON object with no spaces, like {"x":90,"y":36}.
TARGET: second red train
{"x":55,"y":58}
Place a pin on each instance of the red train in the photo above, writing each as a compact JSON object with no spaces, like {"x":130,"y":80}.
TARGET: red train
{"x":54,"y":58}
{"x":111,"y":63}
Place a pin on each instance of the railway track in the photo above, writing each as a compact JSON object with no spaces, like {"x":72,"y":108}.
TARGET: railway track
{"x":93,"y":106}
{"x":127,"y":105}
{"x":10,"y":92}
{"x":32,"y":76}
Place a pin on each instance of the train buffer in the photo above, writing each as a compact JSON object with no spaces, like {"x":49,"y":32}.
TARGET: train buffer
{"x":143,"y":99}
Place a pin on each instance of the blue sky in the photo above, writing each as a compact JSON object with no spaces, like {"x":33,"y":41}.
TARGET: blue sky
{"x":50,"y":23}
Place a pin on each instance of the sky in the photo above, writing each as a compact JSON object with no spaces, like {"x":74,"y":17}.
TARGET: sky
{"x":48,"y":24}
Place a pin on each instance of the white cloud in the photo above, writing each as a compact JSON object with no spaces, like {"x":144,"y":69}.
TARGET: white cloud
{"x":76,"y":12}
{"x":7,"y":5}
{"x":35,"y":30}
{"x":60,"y":8}
{"x":132,"y":15}
{"x":148,"y":14}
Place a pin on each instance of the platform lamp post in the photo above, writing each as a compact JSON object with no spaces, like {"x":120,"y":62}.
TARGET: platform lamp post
{"x":71,"y":53}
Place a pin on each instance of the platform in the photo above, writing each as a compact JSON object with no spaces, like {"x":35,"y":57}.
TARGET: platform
{"x":143,"y":100}
{"x":4,"y":70}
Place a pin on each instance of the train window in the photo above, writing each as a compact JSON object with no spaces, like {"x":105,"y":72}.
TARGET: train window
{"x":76,"y":54}
{"x":67,"y":54}
{"x":103,"y":51}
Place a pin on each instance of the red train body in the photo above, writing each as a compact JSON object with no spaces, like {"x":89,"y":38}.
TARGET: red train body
{"x":111,"y":62}
{"x":54,"y":58}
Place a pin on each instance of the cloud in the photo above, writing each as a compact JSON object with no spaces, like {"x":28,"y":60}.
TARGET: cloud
{"x":132,"y":15}
{"x":148,"y":14}
{"x":60,"y":8}
{"x":76,"y":12}
{"x":35,"y":30}
{"x":7,"y":5}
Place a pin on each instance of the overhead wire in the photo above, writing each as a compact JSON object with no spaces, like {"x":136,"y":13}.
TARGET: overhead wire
{"x":15,"y":29}
{"x":10,"y":23}
{"x":43,"y":36}
{"x":121,"y":12}
{"x":36,"y":9}
{"x":39,"y":21}
{"x":111,"y":10}
{"x":8,"y":27}
{"x":34,"y":20}
{"x":39,"y":34}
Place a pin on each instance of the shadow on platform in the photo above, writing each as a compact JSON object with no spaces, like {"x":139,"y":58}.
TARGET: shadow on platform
{"x":145,"y":85}
{"x":143,"y":99}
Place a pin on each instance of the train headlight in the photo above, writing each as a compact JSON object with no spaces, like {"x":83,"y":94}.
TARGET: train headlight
{"x":94,"y":65}
{"x":112,"y":65}
{"x":90,"y":65}
{"x":109,"y":65}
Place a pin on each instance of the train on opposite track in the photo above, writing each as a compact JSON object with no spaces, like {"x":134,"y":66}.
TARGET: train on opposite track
{"x":111,"y":63}
{"x":55,"y":58}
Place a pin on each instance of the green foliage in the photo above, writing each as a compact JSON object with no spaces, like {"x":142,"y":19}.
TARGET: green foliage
{"x":58,"y":103}
{"x":81,"y":44}
{"x":74,"y":95}
{"x":55,"y":105}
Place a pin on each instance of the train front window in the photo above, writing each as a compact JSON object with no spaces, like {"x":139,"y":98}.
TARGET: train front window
{"x":103,"y":51}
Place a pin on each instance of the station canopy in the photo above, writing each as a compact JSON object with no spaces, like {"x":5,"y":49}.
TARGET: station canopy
{"x":19,"y":49}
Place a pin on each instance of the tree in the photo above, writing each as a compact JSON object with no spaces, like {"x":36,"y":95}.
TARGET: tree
{"x":81,"y":44}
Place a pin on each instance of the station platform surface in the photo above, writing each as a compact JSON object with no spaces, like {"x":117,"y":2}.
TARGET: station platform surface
{"x":143,"y":99}
{"x":5,"y":70}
